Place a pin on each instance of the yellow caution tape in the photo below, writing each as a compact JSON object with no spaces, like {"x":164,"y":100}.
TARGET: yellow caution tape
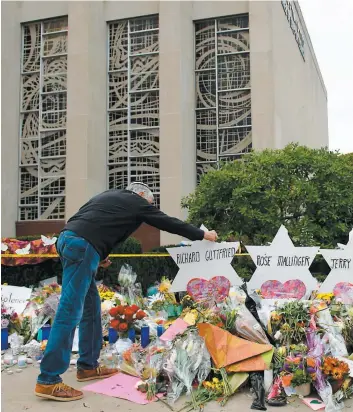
{"x":137,"y":255}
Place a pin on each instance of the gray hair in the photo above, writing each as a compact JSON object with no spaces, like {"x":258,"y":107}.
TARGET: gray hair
{"x":139,"y":187}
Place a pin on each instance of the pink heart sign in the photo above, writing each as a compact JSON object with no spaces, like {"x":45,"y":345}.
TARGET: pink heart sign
{"x":211,"y":291}
{"x":344,"y":291}
{"x":292,"y":289}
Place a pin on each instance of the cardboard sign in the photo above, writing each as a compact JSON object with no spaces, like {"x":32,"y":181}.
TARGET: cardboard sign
{"x":204,"y":259}
{"x":15,"y":298}
{"x":179,"y":326}
{"x":282,"y":269}
{"x":340,"y":279}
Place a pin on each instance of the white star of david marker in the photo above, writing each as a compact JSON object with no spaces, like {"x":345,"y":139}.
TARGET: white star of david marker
{"x":341,"y":264}
{"x":282,"y":261}
{"x":204,"y":259}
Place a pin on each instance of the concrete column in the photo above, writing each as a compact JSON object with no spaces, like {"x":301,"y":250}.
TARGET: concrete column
{"x":10,"y":120}
{"x":87,"y":96}
{"x":261,"y":72}
{"x":177,"y":108}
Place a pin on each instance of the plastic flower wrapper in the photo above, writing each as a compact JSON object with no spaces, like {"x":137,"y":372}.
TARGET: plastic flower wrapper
{"x":183,"y":363}
{"x":135,"y":294}
{"x":50,"y":306}
{"x":37,"y":317}
{"x":247,"y":327}
{"x":130,"y":360}
{"x":228,"y":313}
{"x":324,"y":319}
{"x":127,"y":277}
{"x":154,"y":365}
{"x":324,"y":389}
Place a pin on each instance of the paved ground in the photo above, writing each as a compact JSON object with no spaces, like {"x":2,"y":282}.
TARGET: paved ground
{"x":17,"y":396}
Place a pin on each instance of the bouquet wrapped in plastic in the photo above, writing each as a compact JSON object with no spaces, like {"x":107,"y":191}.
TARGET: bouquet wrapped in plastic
{"x":247,"y":327}
{"x":337,"y":345}
{"x":131,"y":291}
{"x":187,"y":360}
{"x":154,"y":364}
{"x":324,"y":389}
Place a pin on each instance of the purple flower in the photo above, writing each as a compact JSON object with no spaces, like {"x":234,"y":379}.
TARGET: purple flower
{"x":287,"y":367}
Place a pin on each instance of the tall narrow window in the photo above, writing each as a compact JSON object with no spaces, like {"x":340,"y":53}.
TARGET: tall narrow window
{"x":43,"y":120}
{"x":133,"y":106}
{"x":223,"y":98}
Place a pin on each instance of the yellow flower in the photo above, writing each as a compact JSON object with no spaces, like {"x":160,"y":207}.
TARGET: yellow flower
{"x":215,"y":380}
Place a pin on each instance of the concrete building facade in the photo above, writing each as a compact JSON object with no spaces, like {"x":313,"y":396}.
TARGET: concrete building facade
{"x":96,"y":94}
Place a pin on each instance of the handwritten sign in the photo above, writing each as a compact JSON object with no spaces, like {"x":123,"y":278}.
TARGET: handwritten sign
{"x":15,"y":298}
{"x":204,"y":259}
{"x":291,"y":13}
{"x":281,"y":263}
{"x":341,"y":264}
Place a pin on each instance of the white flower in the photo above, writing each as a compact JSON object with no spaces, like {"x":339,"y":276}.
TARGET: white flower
{"x":4,"y":247}
{"x":106,"y":306}
{"x":4,"y":323}
{"x":278,"y":335}
{"x":155,"y":298}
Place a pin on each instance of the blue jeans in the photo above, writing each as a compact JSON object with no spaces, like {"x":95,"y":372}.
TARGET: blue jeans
{"x":79,"y":304}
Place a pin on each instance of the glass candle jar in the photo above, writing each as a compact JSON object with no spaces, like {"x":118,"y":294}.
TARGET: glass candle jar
{"x":21,"y":362}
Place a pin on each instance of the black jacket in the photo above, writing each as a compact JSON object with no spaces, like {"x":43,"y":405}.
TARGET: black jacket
{"x":112,"y":216}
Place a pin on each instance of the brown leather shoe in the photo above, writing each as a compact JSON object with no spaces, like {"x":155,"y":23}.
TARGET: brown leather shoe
{"x":99,"y":373}
{"x":58,"y":392}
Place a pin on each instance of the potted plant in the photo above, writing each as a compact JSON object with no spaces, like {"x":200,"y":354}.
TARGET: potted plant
{"x":301,"y":381}
{"x":299,"y":372}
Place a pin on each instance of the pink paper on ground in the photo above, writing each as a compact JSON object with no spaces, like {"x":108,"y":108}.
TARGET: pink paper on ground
{"x":119,"y":386}
{"x":314,"y":403}
{"x":179,"y":326}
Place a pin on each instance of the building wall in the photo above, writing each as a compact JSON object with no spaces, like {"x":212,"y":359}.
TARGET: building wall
{"x":300,"y":98}
{"x":288,"y":98}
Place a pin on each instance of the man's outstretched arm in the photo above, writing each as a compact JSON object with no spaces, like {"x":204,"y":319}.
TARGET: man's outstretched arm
{"x":154,"y":217}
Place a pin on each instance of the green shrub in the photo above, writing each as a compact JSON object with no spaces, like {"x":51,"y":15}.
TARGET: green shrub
{"x":310,"y":191}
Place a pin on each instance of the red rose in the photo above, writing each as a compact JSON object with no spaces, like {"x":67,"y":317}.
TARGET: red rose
{"x":135,"y":308}
{"x":120,"y":310}
{"x":123,"y":327}
{"x":129,"y":313}
{"x":115,"y":324}
{"x":113,"y":312}
{"x":140,"y":315}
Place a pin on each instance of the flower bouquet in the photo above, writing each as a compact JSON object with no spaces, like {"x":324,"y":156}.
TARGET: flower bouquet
{"x":290,"y":322}
{"x":184,"y":363}
{"x":335,"y":371}
{"x":124,"y":317}
{"x":299,"y":372}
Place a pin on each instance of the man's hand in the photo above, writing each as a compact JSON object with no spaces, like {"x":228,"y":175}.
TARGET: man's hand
{"x":105,"y":263}
{"x":211,"y":236}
